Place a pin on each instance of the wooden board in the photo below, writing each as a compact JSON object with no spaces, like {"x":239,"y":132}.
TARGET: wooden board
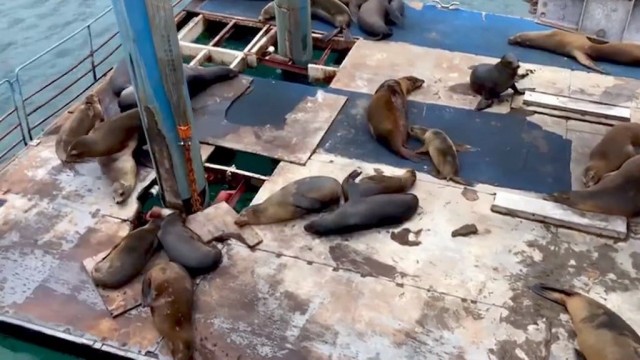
{"x":217,"y":219}
{"x":192,"y":30}
{"x":557,"y":214}
{"x":578,"y":106}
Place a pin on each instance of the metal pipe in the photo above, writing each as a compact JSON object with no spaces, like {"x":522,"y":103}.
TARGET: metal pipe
{"x":150,"y":42}
{"x":293,"y":23}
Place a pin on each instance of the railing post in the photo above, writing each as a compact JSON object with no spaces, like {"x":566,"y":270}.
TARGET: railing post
{"x":93,"y":60}
{"x":150,"y":41}
{"x":293,"y":23}
{"x":23,"y":106}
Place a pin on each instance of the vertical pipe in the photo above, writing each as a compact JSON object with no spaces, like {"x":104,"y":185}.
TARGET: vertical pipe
{"x":293,"y":23}
{"x":150,"y":41}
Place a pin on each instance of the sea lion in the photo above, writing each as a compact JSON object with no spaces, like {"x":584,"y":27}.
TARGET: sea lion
{"x":182,"y":245}
{"x":301,"y":197}
{"x":398,"y":12}
{"x":364,"y":214}
{"x":387,"y":114}
{"x":167,"y":290}
{"x":617,"y":193}
{"x":491,"y":80}
{"x":198,"y":78}
{"x":268,"y":12}
{"x":335,"y":13}
{"x":83,"y":120}
{"x":372,"y":16}
{"x":601,"y":333}
{"x":615,"y":147}
{"x":121,"y":170}
{"x":120,"y":79}
{"x":376,"y":184}
{"x":127,"y":258}
{"x":582,"y":48}
{"x":354,"y":8}
{"x":442,"y":150}
{"x":107,"y":138}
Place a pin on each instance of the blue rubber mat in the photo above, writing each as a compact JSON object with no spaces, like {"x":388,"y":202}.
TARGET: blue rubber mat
{"x":454,"y":30}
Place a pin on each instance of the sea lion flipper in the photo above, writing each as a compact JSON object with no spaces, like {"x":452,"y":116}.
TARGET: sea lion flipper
{"x":461,"y":181}
{"x":329,"y":36}
{"x":423,"y":150}
{"x":483,"y":104}
{"x":394,"y":15}
{"x":515,"y":89}
{"x":551,"y":293}
{"x":462,"y":147}
{"x":585,"y":60}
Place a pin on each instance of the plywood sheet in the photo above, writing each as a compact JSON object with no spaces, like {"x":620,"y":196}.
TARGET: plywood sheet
{"x":582,"y":107}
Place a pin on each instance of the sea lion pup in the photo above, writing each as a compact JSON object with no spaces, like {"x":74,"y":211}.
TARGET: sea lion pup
{"x":615,"y":147}
{"x":335,"y":13}
{"x":167,"y":290}
{"x":601,"y":333}
{"x":301,"y":197}
{"x":127,"y":258}
{"x":372,"y":16}
{"x":376,"y":184}
{"x":107,"y":138}
{"x":121,"y":170}
{"x":182,"y":245}
{"x":491,"y":80}
{"x":617,"y":193}
{"x":387,"y":114}
{"x":366,"y":213}
{"x":443,"y":153}
{"x":580,"y":47}
{"x":83,"y":120}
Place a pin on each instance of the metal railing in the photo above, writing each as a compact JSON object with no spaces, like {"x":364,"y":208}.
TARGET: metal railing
{"x":35,"y":102}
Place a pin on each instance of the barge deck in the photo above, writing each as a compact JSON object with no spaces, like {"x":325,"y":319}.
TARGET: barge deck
{"x":414,"y":292}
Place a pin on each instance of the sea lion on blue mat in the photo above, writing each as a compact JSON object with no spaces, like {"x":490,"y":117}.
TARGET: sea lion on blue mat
{"x":617,"y":193}
{"x":491,"y":80}
{"x":616,"y":146}
{"x":167,"y":290}
{"x":365,"y":213}
{"x":442,"y":151}
{"x":83,"y":120}
{"x":601,"y":334}
{"x":301,"y":197}
{"x":387,"y":114}
{"x":580,"y":47}
{"x":372,"y":16}
{"x":376,"y":184}
{"x":127,"y":258}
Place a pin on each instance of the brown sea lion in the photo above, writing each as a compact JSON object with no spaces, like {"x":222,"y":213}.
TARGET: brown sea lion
{"x":107,"y":138}
{"x":580,"y":47}
{"x":83,"y":120}
{"x":491,"y":80}
{"x":127,"y":258}
{"x":268,"y":12}
{"x":365,"y":213}
{"x":121,"y":170}
{"x":372,"y":15}
{"x":167,"y":290}
{"x":376,"y":184}
{"x":617,"y":193}
{"x":335,"y":13}
{"x":301,"y":197}
{"x":615,"y":147}
{"x":387,"y":114}
{"x":443,"y":152}
{"x":601,"y":333}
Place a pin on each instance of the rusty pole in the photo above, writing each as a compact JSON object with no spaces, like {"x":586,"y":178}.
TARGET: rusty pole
{"x":293,"y":23}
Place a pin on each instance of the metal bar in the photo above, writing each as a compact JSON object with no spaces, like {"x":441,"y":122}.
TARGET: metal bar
{"x":6,"y":133}
{"x":59,"y":93}
{"x":57,"y":78}
{"x":108,"y":56}
{"x":150,"y":39}
{"x":6,"y":115}
{"x":4,"y":153}
{"x":626,"y":25}
{"x":283,"y":66}
{"x":325,"y":55}
{"x":91,"y":52}
{"x":293,"y":23}
{"x":223,"y":34}
{"x":15,"y":109}
{"x":584,"y":6}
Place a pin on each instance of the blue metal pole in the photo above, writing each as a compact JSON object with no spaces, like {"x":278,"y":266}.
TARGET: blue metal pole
{"x":293,"y":23}
{"x":150,"y":43}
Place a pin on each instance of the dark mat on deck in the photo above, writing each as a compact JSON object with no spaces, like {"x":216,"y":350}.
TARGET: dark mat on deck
{"x":511,"y":151}
{"x":458,"y":30}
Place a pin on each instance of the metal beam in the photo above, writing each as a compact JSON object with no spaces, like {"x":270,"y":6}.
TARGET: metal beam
{"x":293,"y":23}
{"x":150,"y":41}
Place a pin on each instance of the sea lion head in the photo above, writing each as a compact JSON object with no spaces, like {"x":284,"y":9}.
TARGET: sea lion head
{"x":509,"y":61}
{"x":591,"y":175}
{"x":410,"y":83}
{"x":248,"y":215}
{"x":121,"y":191}
{"x":157,"y":212}
{"x":418,"y":131}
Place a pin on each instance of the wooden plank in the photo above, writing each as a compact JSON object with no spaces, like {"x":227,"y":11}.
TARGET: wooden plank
{"x":217,"y":219}
{"x":218,"y":55}
{"x":557,"y":214}
{"x":321,"y":73}
{"x":193,"y":28}
{"x":579,"y":106}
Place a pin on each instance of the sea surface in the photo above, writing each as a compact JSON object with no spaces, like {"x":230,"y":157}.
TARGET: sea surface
{"x":28,"y":27}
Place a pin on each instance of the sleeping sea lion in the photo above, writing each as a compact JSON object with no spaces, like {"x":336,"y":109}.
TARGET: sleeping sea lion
{"x":443,"y":152}
{"x":127,"y":258}
{"x":580,"y":47}
{"x":121,"y":170}
{"x":182,"y":245}
{"x":601,"y":333}
{"x":617,"y":193}
{"x":491,"y":80}
{"x":354,"y":8}
{"x":397,"y":15}
{"x":387,"y":114}
{"x":365,"y":213}
{"x":615,"y":147}
{"x":167,"y":290}
{"x":301,"y":197}
{"x":107,"y":138}
{"x":335,"y":13}
{"x":376,"y":184}
{"x":83,"y":120}
{"x":372,"y":16}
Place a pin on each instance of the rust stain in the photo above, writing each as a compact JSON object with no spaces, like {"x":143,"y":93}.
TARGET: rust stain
{"x":347,"y":257}
{"x":402,"y":237}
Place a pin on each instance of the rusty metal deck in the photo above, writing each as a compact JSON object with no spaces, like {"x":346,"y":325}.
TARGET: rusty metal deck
{"x":365,"y":296}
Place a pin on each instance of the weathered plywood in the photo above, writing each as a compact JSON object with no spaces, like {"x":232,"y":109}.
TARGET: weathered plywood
{"x":552,"y":213}
{"x":606,"y":89}
{"x":218,"y":219}
{"x":581,"y":107}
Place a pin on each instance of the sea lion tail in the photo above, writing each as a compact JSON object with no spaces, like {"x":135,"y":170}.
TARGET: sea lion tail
{"x":557,"y":295}
{"x":624,"y":53}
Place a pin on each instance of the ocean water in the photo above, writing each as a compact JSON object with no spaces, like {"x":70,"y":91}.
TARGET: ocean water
{"x":30,"y":26}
